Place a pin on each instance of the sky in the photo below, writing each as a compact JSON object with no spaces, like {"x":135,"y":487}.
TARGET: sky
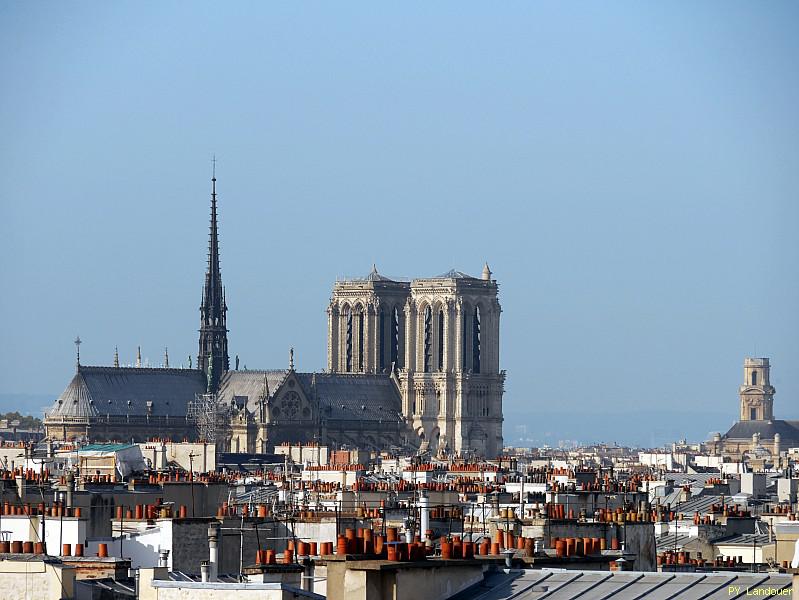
{"x":629,"y":171}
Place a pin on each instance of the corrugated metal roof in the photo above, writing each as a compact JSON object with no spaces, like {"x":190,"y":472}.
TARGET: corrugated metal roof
{"x":700,"y":504}
{"x":554,"y":584}
{"x":692,"y":479}
{"x":743,"y":539}
{"x":672,"y":541}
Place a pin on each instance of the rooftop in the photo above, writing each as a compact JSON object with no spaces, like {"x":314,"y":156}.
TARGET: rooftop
{"x":557,"y":584}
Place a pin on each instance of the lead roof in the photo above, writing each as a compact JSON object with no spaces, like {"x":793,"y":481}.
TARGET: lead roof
{"x":118,"y":391}
{"x":788,"y":430}
{"x":100,"y":391}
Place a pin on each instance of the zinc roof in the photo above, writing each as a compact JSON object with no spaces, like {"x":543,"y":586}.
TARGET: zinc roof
{"x":555,"y":584}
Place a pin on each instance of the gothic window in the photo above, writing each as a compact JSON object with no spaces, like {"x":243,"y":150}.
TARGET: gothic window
{"x":348,"y":316}
{"x":360,"y":341}
{"x":381,"y":328}
{"x":754,"y":377}
{"x":428,"y":339}
{"x":290,"y":405}
{"x":476,"y":340}
{"x":441,"y":340}
{"x":464,"y":339}
{"x":395,"y":336}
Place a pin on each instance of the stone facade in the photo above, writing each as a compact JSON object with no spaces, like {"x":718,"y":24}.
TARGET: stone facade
{"x":352,"y":410}
{"x":439,"y":338}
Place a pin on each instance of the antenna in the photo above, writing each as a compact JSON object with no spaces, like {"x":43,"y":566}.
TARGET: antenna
{"x":77,"y":343}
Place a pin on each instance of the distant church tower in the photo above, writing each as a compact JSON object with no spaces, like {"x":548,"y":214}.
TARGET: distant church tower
{"x":213,"y":358}
{"x":756,"y":393}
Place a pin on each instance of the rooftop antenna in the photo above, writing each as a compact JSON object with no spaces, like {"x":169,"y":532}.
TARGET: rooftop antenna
{"x":77,"y":343}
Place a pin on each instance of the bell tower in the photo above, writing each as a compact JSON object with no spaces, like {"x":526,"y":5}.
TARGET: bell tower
{"x":452,"y":384}
{"x":366,"y":325}
{"x":756,"y":393}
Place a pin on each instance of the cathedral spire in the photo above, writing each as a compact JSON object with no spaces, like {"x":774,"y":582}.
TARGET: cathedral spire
{"x":213,"y":352}
{"x":116,"y":357}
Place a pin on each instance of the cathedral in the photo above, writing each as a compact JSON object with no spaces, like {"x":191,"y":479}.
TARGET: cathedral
{"x":757,"y":434}
{"x":411,"y":364}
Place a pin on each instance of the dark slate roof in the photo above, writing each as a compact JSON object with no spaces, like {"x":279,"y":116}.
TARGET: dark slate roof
{"x":97,"y":391}
{"x":108,"y":390}
{"x":454,"y":274}
{"x":744,"y":430}
{"x":250,"y":385}
{"x":354,"y":396}
{"x":375,"y":276}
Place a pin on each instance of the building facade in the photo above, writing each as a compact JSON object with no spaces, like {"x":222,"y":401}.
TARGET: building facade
{"x":439,"y":340}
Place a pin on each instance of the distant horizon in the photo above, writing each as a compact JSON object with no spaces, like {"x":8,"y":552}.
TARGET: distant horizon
{"x":550,"y":431}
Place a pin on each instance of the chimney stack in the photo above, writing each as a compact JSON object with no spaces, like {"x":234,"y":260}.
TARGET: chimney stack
{"x":213,"y":551}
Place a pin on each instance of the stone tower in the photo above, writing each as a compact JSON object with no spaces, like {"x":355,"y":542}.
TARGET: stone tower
{"x":439,"y":338}
{"x":366,"y":325}
{"x":213,"y":358}
{"x":756,"y":393}
{"x":452,"y":385}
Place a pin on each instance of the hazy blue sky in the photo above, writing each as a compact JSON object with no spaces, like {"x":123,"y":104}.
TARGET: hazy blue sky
{"x":628,"y":170}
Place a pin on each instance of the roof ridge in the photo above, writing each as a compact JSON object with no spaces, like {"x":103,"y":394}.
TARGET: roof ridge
{"x":128,"y":369}
{"x":257,"y":371}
